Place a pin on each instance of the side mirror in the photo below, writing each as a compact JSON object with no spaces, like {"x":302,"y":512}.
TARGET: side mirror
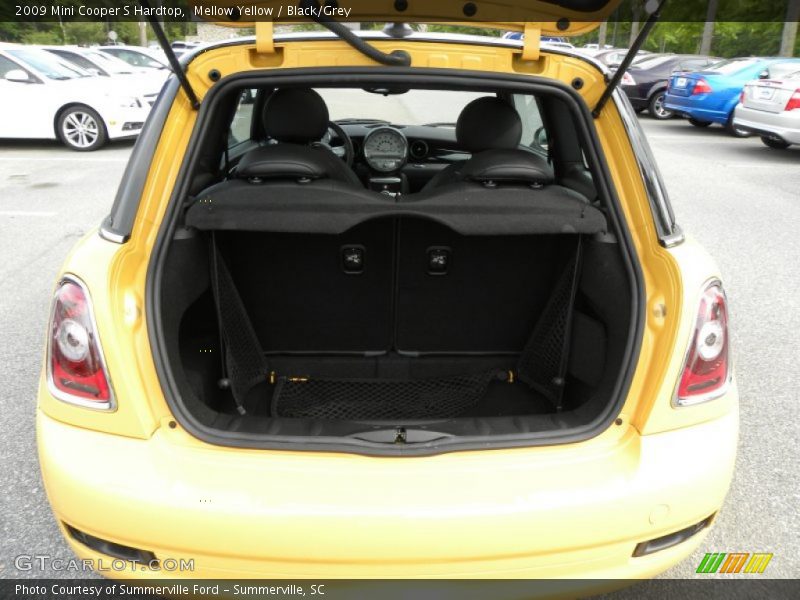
{"x":95,"y":72}
{"x":18,"y":76}
{"x":540,"y":138}
{"x":764,"y":74}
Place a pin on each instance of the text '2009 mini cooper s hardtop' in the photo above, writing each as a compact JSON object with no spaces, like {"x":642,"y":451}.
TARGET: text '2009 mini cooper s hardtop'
{"x":387,"y":304}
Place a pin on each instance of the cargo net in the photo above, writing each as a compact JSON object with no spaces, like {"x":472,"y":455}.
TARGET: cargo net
{"x":376,"y":399}
{"x":244,"y":361}
{"x":542,"y":364}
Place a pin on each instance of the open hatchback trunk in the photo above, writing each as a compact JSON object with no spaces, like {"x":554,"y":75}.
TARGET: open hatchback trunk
{"x":397,"y":312}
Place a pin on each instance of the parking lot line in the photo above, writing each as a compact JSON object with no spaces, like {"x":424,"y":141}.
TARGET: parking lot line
{"x":27,"y":213}
{"x":61,"y":159}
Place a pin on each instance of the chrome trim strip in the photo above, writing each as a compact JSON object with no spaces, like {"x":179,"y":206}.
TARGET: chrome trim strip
{"x":672,"y":239}
{"x":110,"y":236}
{"x":669,"y":233}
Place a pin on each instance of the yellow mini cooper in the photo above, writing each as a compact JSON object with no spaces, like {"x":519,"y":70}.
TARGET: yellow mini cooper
{"x":390,"y":303}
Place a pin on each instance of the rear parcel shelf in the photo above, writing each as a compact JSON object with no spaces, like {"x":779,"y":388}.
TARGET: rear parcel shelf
{"x":329,"y":207}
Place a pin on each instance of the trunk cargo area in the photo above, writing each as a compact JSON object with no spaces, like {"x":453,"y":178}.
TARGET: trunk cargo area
{"x":394,"y":321}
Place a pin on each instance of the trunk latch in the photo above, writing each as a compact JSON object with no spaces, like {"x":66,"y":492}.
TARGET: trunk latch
{"x":400,"y":435}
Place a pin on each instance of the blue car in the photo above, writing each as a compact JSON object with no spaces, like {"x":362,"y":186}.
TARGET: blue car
{"x":711,"y":95}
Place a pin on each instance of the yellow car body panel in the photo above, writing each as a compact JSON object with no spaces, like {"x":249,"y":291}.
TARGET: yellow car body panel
{"x":135,"y":477}
{"x":561,"y":511}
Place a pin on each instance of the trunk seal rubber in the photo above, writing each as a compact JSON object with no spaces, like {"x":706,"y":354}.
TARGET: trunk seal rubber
{"x":423,"y":77}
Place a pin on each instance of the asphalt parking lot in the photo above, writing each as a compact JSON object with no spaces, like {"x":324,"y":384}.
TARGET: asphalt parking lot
{"x":740,"y":199}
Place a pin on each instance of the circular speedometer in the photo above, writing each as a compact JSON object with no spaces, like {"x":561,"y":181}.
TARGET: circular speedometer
{"x":385,"y":149}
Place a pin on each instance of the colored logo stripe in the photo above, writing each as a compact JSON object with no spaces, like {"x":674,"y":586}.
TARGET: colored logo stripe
{"x":711,"y":562}
{"x":734,"y":562}
{"x":723,"y":562}
{"x":758,"y":563}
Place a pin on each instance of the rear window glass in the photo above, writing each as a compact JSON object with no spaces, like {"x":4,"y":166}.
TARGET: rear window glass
{"x":47,"y":64}
{"x":649,"y":62}
{"x":734,"y":65}
{"x":414,"y":107}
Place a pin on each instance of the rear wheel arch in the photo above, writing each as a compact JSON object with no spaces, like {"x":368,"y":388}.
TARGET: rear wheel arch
{"x":657,"y":109}
{"x":657,"y":88}
{"x":731,"y":127}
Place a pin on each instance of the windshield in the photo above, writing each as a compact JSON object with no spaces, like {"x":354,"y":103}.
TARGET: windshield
{"x":109,"y":63}
{"x":74,"y":58}
{"x":136,"y":59}
{"x":733,"y":65}
{"x":415,"y":107}
{"x":47,"y":64}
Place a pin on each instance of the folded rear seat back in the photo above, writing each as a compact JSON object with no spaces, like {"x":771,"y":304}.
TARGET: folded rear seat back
{"x":465,"y":269}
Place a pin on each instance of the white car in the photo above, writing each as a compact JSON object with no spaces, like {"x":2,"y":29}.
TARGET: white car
{"x":770,"y":108}
{"x":43,"y":97}
{"x":136,"y":56}
{"x":138,"y":80}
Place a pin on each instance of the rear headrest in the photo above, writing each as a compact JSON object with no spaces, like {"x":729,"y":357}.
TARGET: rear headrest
{"x":517,"y":166}
{"x":285,"y":161}
{"x":295,"y":115}
{"x":487,"y":124}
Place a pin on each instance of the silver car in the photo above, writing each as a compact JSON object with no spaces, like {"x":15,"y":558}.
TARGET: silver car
{"x":771,"y":107}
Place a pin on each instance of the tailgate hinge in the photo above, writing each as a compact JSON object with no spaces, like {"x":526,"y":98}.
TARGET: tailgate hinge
{"x":532,"y":40}
{"x":265,"y":42}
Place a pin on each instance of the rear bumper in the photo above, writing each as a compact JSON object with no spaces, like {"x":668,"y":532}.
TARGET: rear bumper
{"x":783,"y":125}
{"x":572,"y":511}
{"x":695,"y":107}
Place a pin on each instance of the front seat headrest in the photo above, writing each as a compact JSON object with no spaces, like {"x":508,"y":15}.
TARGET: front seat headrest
{"x":488,"y":123}
{"x":295,"y":115}
{"x":513,"y":166}
{"x":287,"y":161}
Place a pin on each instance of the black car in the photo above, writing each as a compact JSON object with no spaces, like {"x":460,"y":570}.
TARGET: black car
{"x":646,"y":82}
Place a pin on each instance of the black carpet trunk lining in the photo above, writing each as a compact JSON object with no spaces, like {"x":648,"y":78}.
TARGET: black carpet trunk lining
{"x":542,"y":365}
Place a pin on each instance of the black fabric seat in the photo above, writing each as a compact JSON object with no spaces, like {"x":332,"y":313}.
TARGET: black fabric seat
{"x":294,"y":118}
{"x":491,"y":130}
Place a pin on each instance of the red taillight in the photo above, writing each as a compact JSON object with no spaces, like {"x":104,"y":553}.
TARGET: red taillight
{"x":742,"y":97}
{"x":701,"y":87}
{"x":794,"y":101}
{"x":76,"y":371}
{"x":705,"y":373}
